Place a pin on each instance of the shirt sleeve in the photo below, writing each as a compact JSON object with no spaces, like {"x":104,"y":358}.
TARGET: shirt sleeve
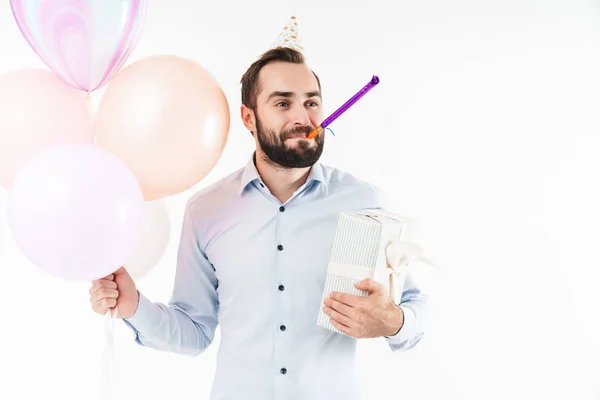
{"x":414,"y":306}
{"x":187,"y":324}
{"x":414,"y":302}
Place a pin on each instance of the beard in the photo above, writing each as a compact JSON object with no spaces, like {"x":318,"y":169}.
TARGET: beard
{"x":302,"y":155}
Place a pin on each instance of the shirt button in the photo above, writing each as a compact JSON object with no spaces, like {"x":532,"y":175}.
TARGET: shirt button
{"x":280,"y":247}
{"x":282,"y":327}
{"x":282,"y":208}
{"x":283,"y":371}
{"x":281,"y":288}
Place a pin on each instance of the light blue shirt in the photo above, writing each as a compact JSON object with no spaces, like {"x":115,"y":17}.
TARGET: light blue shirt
{"x":257,"y":267}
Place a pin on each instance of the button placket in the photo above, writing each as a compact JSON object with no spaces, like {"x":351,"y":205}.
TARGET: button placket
{"x":282,"y":305}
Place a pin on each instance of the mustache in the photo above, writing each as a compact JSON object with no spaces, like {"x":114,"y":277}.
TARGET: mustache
{"x":295,"y":131}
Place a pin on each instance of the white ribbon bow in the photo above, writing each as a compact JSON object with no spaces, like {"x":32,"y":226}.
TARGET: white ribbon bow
{"x":399,"y":255}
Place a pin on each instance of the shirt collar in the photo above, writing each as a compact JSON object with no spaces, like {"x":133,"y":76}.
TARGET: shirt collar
{"x":250,"y":174}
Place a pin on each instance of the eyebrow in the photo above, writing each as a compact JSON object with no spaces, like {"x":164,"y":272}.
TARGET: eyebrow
{"x":291,"y":94}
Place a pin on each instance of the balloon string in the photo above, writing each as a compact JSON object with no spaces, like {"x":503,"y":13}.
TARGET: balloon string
{"x":329,"y":129}
{"x":109,"y":354}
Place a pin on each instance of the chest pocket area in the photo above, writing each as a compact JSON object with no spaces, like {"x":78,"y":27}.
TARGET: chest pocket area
{"x":242,"y":258}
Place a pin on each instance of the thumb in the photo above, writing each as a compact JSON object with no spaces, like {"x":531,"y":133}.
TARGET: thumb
{"x":121,"y":272}
{"x":369,"y":285}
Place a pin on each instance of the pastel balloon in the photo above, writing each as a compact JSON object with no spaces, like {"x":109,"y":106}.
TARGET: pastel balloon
{"x":168,"y":119}
{"x":76,"y":211}
{"x":154,"y":240}
{"x":37,"y":111}
{"x":85,"y":42}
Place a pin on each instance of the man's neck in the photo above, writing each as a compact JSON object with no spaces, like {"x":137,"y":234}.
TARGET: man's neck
{"x":282,"y":182}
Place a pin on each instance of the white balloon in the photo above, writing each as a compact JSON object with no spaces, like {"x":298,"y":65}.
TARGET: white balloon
{"x":154,"y":240}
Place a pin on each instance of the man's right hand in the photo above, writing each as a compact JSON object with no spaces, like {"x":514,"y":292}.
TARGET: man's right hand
{"x":115,"y":290}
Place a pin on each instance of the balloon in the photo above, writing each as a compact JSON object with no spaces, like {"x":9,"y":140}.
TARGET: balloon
{"x":76,"y":211}
{"x":85,"y":42}
{"x":153,"y":243}
{"x":168,"y":119}
{"x":37,"y":111}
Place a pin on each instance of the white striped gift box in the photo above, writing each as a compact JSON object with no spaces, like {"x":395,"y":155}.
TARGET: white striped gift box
{"x":359,"y":252}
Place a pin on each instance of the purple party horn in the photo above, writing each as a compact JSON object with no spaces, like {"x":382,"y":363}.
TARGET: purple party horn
{"x":374,"y":81}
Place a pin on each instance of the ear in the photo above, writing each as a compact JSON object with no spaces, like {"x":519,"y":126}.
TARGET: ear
{"x":248,"y":118}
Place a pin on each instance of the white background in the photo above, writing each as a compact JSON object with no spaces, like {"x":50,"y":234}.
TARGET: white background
{"x":485,"y":125}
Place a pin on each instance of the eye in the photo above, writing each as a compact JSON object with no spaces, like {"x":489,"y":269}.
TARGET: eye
{"x":281,"y":104}
{"x":312,"y":104}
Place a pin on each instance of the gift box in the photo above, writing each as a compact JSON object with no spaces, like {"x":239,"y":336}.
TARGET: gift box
{"x":367,"y":244}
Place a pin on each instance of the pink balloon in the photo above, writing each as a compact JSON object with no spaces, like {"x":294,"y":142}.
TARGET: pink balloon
{"x":85,"y":42}
{"x":76,"y":211}
{"x":37,"y":111}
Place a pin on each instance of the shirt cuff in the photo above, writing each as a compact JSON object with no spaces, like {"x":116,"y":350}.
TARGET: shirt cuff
{"x":408,"y":329}
{"x":146,"y":316}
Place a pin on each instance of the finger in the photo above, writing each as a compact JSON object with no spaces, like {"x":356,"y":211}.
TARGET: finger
{"x":348,"y":299}
{"x":107,"y":278}
{"x":107,"y":284}
{"x":370,"y":285}
{"x":336,"y":316}
{"x":102,"y":283}
{"x":343,"y":328}
{"x":110,"y":277}
{"x":104,"y":294}
{"x":95,"y":286}
{"x":99,"y":307}
{"x":105,"y":304}
{"x":342,"y":308}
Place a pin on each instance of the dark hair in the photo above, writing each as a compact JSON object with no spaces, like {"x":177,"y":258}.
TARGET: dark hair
{"x":250,"y":83}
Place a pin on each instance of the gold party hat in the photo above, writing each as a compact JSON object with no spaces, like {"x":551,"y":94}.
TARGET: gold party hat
{"x":290,"y":37}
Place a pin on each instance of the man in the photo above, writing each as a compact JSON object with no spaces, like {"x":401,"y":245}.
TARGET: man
{"x":253,"y":257}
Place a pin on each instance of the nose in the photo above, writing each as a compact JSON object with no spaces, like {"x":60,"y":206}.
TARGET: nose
{"x":300,"y":116}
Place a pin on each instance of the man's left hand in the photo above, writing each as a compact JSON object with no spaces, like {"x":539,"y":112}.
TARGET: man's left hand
{"x":365,"y":317}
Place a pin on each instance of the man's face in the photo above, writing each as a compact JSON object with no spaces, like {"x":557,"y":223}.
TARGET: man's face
{"x":288,"y":109}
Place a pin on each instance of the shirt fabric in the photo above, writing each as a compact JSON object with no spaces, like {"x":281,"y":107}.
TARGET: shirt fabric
{"x":257,"y":267}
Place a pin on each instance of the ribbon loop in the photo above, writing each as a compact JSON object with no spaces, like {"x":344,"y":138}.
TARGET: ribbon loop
{"x":399,"y":254}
